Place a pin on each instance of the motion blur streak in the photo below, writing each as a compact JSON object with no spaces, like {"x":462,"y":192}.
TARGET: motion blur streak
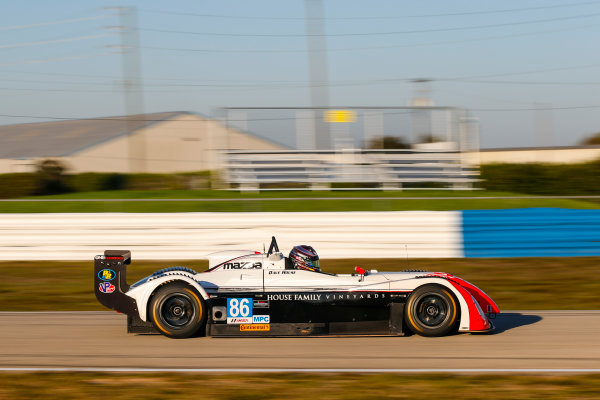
{"x":193,"y":235}
{"x":526,"y":341}
{"x":319,"y":370}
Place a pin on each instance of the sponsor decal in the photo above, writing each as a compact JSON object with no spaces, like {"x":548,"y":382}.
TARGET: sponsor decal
{"x":354,"y":296}
{"x":106,"y":287}
{"x":261,"y":319}
{"x":307,"y":297}
{"x":242,"y":265}
{"x":284,"y":272}
{"x":295,"y":296}
{"x":276,"y":297}
{"x":255,"y":327}
{"x":239,"y":320}
{"x":239,"y":307}
{"x":261,"y":303}
{"x":107,"y":274}
{"x":326,"y":296}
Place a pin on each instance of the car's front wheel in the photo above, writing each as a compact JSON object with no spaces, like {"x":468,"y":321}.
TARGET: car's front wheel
{"x":431,"y":310}
{"x":177,"y":310}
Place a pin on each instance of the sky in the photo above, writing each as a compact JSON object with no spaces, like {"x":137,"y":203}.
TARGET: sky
{"x":527,"y":70}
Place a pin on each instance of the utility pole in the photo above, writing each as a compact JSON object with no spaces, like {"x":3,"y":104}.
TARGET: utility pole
{"x":317,"y":69}
{"x":132,"y":86}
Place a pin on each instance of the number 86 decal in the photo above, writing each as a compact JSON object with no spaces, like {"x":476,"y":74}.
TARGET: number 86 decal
{"x":239,"y":307}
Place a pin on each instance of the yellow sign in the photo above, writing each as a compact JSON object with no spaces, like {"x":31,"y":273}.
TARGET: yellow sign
{"x":255,"y":327}
{"x":340,"y":116}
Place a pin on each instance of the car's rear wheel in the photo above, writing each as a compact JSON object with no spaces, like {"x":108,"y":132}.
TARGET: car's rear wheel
{"x":431,"y":310}
{"x":177,"y":310}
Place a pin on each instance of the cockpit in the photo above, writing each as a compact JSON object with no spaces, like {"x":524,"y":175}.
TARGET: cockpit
{"x":301,"y":257}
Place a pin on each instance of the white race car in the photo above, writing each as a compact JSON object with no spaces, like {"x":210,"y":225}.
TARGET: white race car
{"x":252,"y":293}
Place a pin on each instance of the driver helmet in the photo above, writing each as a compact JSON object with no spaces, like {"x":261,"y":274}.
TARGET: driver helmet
{"x":305,"y":257}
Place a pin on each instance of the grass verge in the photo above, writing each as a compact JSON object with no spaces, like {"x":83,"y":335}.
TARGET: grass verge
{"x":65,"y":386}
{"x":284,"y":201}
{"x":515,"y":283}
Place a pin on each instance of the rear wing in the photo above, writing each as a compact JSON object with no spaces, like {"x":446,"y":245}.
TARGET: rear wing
{"x":110,"y":281}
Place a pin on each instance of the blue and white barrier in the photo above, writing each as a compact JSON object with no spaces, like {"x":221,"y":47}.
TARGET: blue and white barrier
{"x":414,"y":234}
{"x":531,"y":232}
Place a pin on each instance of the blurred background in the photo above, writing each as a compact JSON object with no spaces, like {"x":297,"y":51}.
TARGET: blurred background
{"x":200,"y":79}
{"x":255,"y":107}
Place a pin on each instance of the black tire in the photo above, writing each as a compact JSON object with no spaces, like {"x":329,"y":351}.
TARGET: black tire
{"x":177,"y":310}
{"x":431,"y":310}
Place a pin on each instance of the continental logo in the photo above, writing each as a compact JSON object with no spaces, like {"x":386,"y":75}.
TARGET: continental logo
{"x":255,"y":327}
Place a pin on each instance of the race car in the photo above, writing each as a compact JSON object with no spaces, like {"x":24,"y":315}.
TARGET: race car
{"x":254,"y":293}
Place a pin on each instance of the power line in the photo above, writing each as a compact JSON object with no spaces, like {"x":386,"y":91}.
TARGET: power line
{"x":45,"y":60}
{"x":527,"y":82}
{"x":62,"y":90}
{"x":61,"y":74}
{"x":535,"y":108}
{"x":282,"y":84}
{"x":124,"y":118}
{"x":64,"y":21}
{"x":459,"y":28}
{"x":106,"y":119}
{"x":103,"y":84}
{"x":385,"y":47}
{"x":280,"y":51}
{"x":184,"y":82}
{"x":261,"y":17}
{"x":537,"y":71}
{"x":42,"y":42}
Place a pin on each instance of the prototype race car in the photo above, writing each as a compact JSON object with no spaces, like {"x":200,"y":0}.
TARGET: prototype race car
{"x":246,"y":293}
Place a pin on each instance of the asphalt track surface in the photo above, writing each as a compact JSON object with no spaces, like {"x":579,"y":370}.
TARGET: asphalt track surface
{"x":525,"y":340}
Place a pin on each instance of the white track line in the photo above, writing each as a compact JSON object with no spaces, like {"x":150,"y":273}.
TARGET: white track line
{"x":304,"y":370}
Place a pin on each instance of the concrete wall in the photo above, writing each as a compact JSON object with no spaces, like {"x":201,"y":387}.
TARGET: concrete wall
{"x":543,"y":232}
{"x":550,"y":155}
{"x":193,"y":235}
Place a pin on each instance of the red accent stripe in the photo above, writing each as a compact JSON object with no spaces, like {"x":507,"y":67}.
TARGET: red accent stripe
{"x":476,"y":321}
{"x":485,"y":302}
